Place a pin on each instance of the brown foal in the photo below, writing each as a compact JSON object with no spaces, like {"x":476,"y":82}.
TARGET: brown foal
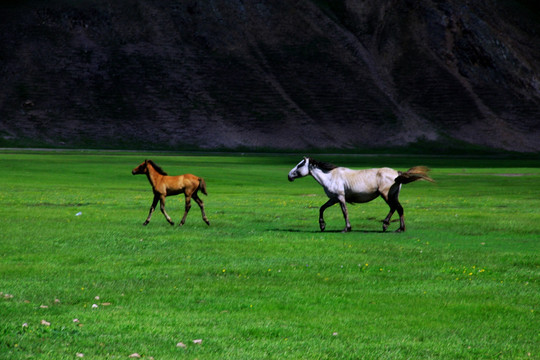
{"x":164,"y":185}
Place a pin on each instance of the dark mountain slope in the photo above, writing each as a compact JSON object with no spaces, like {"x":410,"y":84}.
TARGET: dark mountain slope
{"x":277,"y":74}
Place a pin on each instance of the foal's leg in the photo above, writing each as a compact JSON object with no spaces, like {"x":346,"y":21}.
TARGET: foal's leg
{"x":326,"y":205}
{"x":199,"y":202}
{"x":162,"y":208}
{"x":188,"y":206}
{"x":345,"y":215}
{"x":152,"y":208}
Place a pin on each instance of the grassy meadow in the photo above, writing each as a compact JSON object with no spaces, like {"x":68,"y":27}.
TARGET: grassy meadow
{"x":80,"y":277}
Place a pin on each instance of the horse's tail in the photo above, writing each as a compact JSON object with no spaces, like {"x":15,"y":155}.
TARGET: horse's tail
{"x":413,"y":174}
{"x":202,"y":186}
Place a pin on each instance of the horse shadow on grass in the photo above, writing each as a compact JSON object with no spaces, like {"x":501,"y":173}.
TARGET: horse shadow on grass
{"x":329,"y":231}
{"x":360,"y":231}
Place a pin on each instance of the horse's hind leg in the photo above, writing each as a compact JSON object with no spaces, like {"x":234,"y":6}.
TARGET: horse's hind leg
{"x":199,"y":202}
{"x":386,"y":221}
{"x":401,"y":218}
{"x":188,"y":206}
{"x":152,"y":208}
{"x":393,"y":207}
{"x":393,"y":201}
{"x":162,"y":208}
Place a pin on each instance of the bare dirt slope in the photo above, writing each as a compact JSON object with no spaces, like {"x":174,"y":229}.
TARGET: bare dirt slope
{"x":270,"y":74}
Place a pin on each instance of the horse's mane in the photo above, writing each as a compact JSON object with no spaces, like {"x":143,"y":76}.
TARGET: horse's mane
{"x":324,"y":166}
{"x":157,"y":168}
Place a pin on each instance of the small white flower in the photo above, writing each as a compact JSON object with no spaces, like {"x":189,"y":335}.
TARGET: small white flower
{"x":75,"y":320}
{"x":94,"y":306}
{"x":79,"y":355}
{"x":197,"y":341}
{"x":181,"y":344}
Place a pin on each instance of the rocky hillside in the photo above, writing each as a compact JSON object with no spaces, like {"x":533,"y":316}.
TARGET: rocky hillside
{"x":282,"y":74}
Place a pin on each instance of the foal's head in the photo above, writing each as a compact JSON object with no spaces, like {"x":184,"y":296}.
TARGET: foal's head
{"x":143,"y":168}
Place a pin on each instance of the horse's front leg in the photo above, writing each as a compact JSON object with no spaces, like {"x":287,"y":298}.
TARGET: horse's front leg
{"x":152,"y":208}
{"x":345,"y":215}
{"x":326,"y":205}
{"x":188,"y":206}
{"x":162,"y":208}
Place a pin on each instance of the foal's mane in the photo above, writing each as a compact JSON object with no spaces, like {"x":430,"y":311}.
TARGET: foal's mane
{"x":157,"y":168}
{"x":324,"y":166}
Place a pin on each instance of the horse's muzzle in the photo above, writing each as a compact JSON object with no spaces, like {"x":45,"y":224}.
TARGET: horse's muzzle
{"x":291,"y":179}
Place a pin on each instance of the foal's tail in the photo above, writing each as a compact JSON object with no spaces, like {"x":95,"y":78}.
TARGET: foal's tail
{"x":413,"y":174}
{"x":202,"y":186}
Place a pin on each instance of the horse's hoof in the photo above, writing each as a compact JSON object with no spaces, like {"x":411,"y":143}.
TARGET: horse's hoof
{"x":400,"y":230}
{"x":145,"y":223}
{"x":346,"y":230}
{"x":207,"y":222}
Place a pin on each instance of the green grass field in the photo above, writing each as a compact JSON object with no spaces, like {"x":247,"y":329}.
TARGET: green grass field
{"x":262,"y":282}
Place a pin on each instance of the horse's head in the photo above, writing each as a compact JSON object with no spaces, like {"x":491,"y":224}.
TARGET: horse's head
{"x":300,"y":170}
{"x":141,"y":169}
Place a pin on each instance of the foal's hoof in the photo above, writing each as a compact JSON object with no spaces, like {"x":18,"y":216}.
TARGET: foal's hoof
{"x":400,"y":230}
{"x":145,"y":223}
{"x":207,"y":222}
{"x":346,"y":230}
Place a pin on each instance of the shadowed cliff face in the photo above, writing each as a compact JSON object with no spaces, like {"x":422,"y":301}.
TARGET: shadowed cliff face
{"x":270,"y":74}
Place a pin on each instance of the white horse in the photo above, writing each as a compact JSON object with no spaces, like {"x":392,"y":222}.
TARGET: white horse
{"x":344,"y":185}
